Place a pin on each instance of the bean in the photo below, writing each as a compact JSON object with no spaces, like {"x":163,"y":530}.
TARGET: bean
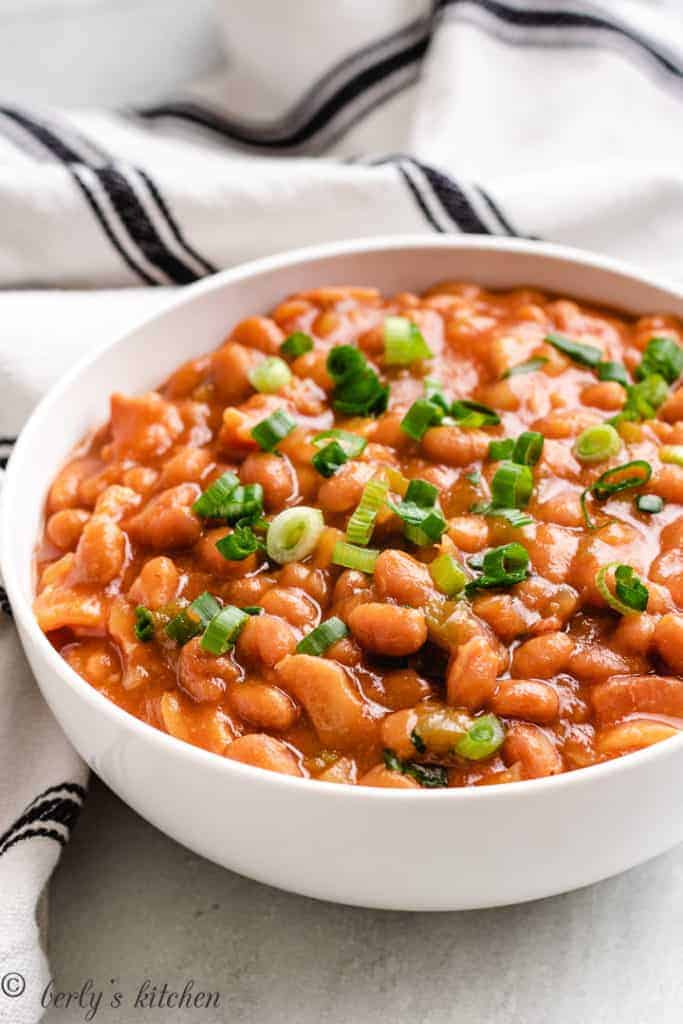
{"x":65,"y":490}
{"x":469,"y":533}
{"x":403,"y":579}
{"x":667,"y":570}
{"x":533,"y":749}
{"x":157,"y":583}
{"x":314,"y":366}
{"x":247,"y":590}
{"x":388,"y":629}
{"x":275,"y":473}
{"x":115,"y":502}
{"x":607,"y":395}
{"x":295,"y":606}
{"x":668,"y":639}
{"x":263,"y":751}
{"x":625,"y":695}
{"x":404,"y":688}
{"x":633,"y":735}
{"x":667,"y":482}
{"x":258,"y":332}
{"x":143,"y":426}
{"x":565,"y":424}
{"x":332,"y":703}
{"x":96,"y":661}
{"x":440,"y":727}
{"x":342,"y":492}
{"x":213,"y":561}
{"x":230,"y":367}
{"x":530,"y":699}
{"x":65,"y":527}
{"x":167,"y":520}
{"x":543,"y":656}
{"x":142,"y":663}
{"x":263,"y":705}
{"x":672,"y":410}
{"x":141,"y":479}
{"x":552,"y":552}
{"x":188,"y":465}
{"x":266,"y":639}
{"x":635,"y":634}
{"x":204,"y":676}
{"x":597,"y":661}
{"x":382,"y":778}
{"x":455,"y":446}
{"x":396,"y":730}
{"x":101,"y":551}
{"x":343,"y":770}
{"x":471,"y":677}
{"x":312,"y":581}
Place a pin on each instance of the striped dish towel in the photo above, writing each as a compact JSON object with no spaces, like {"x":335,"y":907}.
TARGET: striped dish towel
{"x":556,"y":119}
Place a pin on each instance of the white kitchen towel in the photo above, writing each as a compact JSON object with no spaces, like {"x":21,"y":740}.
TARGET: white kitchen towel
{"x":556,"y":119}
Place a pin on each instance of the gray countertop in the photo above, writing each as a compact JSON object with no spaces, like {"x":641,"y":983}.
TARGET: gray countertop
{"x":128,"y":904}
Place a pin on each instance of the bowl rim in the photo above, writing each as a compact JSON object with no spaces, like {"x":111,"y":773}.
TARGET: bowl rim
{"x":129,"y":723}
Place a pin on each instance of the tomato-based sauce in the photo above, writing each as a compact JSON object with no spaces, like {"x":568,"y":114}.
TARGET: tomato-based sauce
{"x":408,"y":541}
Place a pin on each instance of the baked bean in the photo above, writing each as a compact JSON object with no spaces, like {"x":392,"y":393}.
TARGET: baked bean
{"x":597,"y":661}
{"x":607,"y":395}
{"x":667,"y":482}
{"x":204,"y":676}
{"x":455,"y":446}
{"x":672,"y":409}
{"x":383,"y":778}
{"x":210,"y":558}
{"x":65,"y":527}
{"x":188,"y":465}
{"x":64,"y":492}
{"x":167,"y":520}
{"x":101,"y":551}
{"x":259,"y":332}
{"x":620,"y":696}
{"x":633,"y":735}
{"x":635,"y":634}
{"x":142,"y":663}
{"x":263,"y":751}
{"x":275,"y":473}
{"x":530,"y":699}
{"x":266,"y":639}
{"x":295,"y":606}
{"x":543,"y":656}
{"x":263,"y":705}
{"x":533,"y":749}
{"x":403,"y":688}
{"x":343,"y":770}
{"x":388,"y":629}
{"x":335,"y":708}
{"x":157,"y":583}
{"x":668,"y":639}
{"x":469,"y":533}
{"x":342,"y":492}
{"x":396,"y":732}
{"x":403,"y":579}
{"x":143,"y":426}
{"x":312,"y":581}
{"x":471,"y":677}
{"x":230,"y":367}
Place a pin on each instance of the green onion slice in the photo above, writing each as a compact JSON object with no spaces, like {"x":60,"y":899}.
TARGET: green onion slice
{"x":612,"y":371}
{"x":353,"y":444}
{"x":269,"y":432}
{"x":423,"y":520}
{"x":642,"y":400}
{"x":270,"y":375}
{"x":621,"y":478}
{"x":358,"y":390}
{"x":244,"y":505}
{"x":329,"y":459}
{"x":529,"y":366}
{"x":649,"y":503}
{"x":223,"y":630}
{"x":663,"y":356}
{"x":403,"y":342}
{"x":144,"y":624}
{"x":422,"y":415}
{"x":503,"y":449}
{"x":501,"y":567}
{"x":630,"y":595}
{"x":671,"y":453}
{"x":528,"y":448}
{"x":434,"y":392}
{"x":193,"y":619}
{"x":511,"y":486}
{"x":514,"y":516}
{"x":473,"y":414}
{"x":483,"y":738}
{"x":448,"y":574}
{"x":211,"y":501}
{"x":296,"y":345}
{"x":239,"y":544}
{"x":430,"y":776}
{"x":597,"y":443}
{"x":362,"y":522}
{"x":585,"y":355}
{"x":353,"y":557}
{"x":294,"y":533}
{"x":322,"y":637}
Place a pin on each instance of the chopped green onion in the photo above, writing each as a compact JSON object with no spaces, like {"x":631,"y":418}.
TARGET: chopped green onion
{"x":322,"y":637}
{"x":585,"y":355}
{"x":362,"y":522}
{"x":358,"y":390}
{"x":294,"y":533}
{"x":328,"y":460}
{"x":269,"y":432}
{"x":630,"y":593}
{"x":642,"y":400}
{"x":244,"y":505}
{"x":597,"y":443}
{"x":501,"y":567}
{"x":649,"y":503}
{"x":296,"y":345}
{"x":514,"y":516}
{"x":223,"y":630}
{"x":270,"y":375}
{"x":672,"y":453}
{"x":483,"y":738}
{"x":422,"y":415}
{"x":474,"y":477}
{"x":353,"y":557}
{"x":434,"y":392}
{"x":613,"y":480}
{"x":662,"y":356}
{"x":392,"y":761}
{"x":252,"y":609}
{"x":473,"y":414}
{"x":447,"y":574}
{"x":418,"y":742}
{"x":239,"y":544}
{"x":403,"y":342}
{"x":530,"y":366}
{"x":511,"y":486}
{"x":210,"y":502}
{"x":528,"y":448}
{"x":422,"y":517}
{"x":193,"y":619}
{"x":353,"y":444}
{"x":612,"y":371}
{"x":499,"y":450}
{"x":144,"y":624}
{"x":430,"y":776}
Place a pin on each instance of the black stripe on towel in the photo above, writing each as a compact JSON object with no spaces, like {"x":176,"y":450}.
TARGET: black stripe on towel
{"x":57,"y":806}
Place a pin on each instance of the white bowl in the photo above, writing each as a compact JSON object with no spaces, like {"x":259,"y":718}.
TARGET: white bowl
{"x":428,"y":850}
